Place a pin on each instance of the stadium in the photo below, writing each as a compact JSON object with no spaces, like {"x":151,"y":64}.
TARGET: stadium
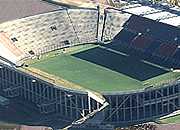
{"x":83,"y":67}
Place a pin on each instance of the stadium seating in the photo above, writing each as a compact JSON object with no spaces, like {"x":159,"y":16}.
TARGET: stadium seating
{"x":125,"y":36}
{"x":33,"y":33}
{"x":135,"y":23}
{"x":158,"y":43}
{"x":113,"y":23}
{"x":42,"y":33}
{"x":151,"y":49}
{"x":85,"y":24}
{"x":141,"y":42}
{"x":155,"y":41}
{"x":48,"y":98}
{"x":153,"y":28}
{"x":46,"y":32}
{"x":124,"y":108}
{"x":166,"y":50}
{"x":9,"y":51}
{"x":176,"y":55}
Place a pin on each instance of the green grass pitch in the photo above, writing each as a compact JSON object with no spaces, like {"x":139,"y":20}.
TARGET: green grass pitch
{"x":90,"y":75}
{"x":174,"y":119}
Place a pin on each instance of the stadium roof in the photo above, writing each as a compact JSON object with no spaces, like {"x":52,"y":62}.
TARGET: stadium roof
{"x":160,"y":12}
{"x":14,"y":9}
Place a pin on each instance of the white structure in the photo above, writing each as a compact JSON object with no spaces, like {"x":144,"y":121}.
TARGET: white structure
{"x":162,"y":12}
{"x":49,"y":31}
{"x":9,"y":51}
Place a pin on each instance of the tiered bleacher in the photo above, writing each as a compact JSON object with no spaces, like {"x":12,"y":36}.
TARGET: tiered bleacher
{"x":157,"y":42}
{"x":155,"y":29}
{"x":50,"y":31}
{"x":48,"y":98}
{"x":9,"y":51}
{"x":85,"y":24}
{"x":147,"y":40}
{"x":113,"y":23}
{"x":141,"y":106}
{"x":36,"y":34}
{"x":141,"y":41}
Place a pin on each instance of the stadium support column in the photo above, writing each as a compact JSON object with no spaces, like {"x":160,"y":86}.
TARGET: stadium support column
{"x":69,"y":17}
{"x":89,"y":103}
{"x":104,"y":23}
{"x":97,"y":32}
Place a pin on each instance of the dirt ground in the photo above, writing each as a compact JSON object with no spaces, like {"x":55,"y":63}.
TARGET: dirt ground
{"x":168,"y":127}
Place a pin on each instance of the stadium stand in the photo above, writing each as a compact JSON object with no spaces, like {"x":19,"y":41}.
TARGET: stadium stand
{"x":146,"y":36}
{"x":30,"y":29}
{"x":125,"y":36}
{"x":41,"y":33}
{"x":153,"y":28}
{"x":176,"y":55}
{"x":85,"y":24}
{"x":113,"y":23}
{"x":50,"y":31}
{"x":141,"y":42}
{"x":166,"y":50}
{"x":9,"y":51}
{"x":48,"y":98}
{"x":153,"y":46}
{"x":131,"y":106}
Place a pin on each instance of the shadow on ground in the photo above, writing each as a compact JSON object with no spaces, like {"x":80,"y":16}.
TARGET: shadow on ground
{"x":129,"y":65}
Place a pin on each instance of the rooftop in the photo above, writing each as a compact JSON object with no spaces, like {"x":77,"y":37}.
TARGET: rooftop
{"x":162,"y":12}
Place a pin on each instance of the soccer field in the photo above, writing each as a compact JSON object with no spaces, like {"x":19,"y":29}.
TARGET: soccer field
{"x":100,"y":70}
{"x":174,"y":119}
